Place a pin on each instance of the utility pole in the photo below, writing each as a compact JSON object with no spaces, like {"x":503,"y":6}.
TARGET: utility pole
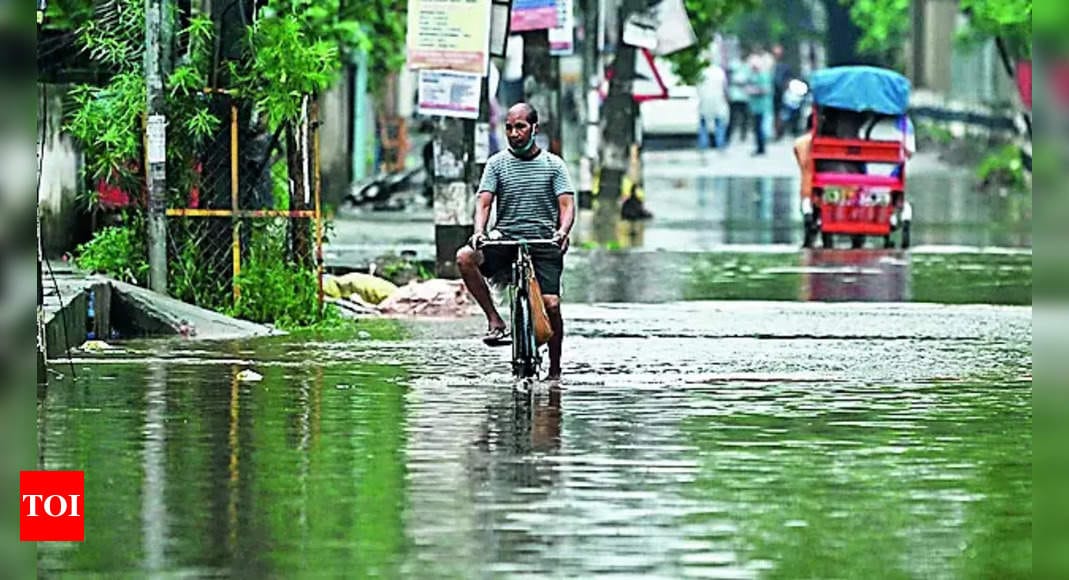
{"x":618,"y":129}
{"x":588,"y":163}
{"x":541,"y":72}
{"x":461,"y":148}
{"x":454,"y":199}
{"x":156,"y":11}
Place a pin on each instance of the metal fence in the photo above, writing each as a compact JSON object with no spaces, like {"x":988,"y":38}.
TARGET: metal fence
{"x":217,"y":223}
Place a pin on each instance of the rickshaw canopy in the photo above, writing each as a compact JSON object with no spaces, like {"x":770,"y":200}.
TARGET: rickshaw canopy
{"x":861,"y":88}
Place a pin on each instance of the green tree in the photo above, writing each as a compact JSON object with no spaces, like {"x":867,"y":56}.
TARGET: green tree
{"x":292,"y":52}
{"x":1008,"y":20}
{"x":884,"y":25}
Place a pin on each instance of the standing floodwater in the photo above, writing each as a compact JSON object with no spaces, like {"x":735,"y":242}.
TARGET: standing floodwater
{"x":698,"y":438}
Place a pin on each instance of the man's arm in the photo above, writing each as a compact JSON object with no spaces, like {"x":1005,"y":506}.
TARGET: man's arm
{"x":483,"y":201}
{"x":566,"y":203}
{"x":482,"y":211}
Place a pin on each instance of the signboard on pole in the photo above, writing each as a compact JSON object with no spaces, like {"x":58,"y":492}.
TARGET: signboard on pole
{"x":674,"y":31}
{"x":533,"y":15}
{"x":449,"y":93}
{"x":562,"y":36}
{"x":449,"y":34}
{"x":640,"y":30}
{"x":664,"y":28}
{"x":500,"y":12}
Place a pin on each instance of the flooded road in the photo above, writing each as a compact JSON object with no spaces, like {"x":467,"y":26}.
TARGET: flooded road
{"x":732,"y":407}
{"x":936,"y":275}
{"x":688,"y":439}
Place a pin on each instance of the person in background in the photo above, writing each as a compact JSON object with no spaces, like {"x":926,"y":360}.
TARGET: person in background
{"x":760,"y":90}
{"x":781,"y":76}
{"x":738,"y":99}
{"x":510,"y":91}
{"x":893,"y":129}
{"x":713,"y":107}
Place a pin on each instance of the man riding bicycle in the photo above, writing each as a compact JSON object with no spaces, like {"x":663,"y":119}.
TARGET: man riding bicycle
{"x":535,"y":200}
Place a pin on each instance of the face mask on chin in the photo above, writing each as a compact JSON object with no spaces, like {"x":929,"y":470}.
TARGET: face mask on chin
{"x":525,"y":148}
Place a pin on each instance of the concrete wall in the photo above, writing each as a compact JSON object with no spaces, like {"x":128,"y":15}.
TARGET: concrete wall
{"x":977,"y":75}
{"x":934,"y":27}
{"x":335,"y":139}
{"x":61,"y":167}
{"x":939,"y":65}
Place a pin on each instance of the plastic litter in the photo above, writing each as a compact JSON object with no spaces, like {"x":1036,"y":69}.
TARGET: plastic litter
{"x":250,"y":376}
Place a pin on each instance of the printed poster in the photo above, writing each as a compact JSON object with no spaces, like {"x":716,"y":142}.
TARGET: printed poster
{"x":562,"y":36}
{"x":449,"y":34}
{"x":449,"y":93}
{"x":533,"y":15}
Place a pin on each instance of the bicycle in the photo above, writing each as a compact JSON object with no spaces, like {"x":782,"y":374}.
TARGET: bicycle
{"x":526,"y":357}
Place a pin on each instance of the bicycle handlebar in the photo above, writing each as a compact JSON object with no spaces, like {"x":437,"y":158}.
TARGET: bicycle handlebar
{"x":514,"y":243}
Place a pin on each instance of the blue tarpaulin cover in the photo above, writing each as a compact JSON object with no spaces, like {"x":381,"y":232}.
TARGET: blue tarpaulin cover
{"x":861,"y":88}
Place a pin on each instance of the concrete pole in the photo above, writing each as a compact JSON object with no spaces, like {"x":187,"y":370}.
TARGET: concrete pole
{"x":454,"y":200}
{"x":541,"y":87}
{"x":480,"y":140}
{"x":589,"y":162}
{"x":156,"y":11}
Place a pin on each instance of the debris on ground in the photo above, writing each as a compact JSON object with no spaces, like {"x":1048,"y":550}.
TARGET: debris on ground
{"x":354,"y":306}
{"x":97,"y":346}
{"x":250,"y":376}
{"x":432,"y":298}
{"x":365,"y":287}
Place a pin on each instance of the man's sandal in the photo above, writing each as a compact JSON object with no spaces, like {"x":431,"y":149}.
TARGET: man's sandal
{"x":497,"y":337}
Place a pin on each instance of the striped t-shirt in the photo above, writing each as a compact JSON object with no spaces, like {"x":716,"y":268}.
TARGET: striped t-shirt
{"x":526,"y":191}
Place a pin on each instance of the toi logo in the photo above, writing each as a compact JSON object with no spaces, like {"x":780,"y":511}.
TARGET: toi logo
{"x":51,"y":506}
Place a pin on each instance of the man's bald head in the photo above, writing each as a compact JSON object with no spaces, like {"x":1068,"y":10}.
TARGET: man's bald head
{"x":525,"y":111}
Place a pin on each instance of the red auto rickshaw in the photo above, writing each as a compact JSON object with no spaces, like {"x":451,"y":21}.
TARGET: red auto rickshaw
{"x":854,"y":179}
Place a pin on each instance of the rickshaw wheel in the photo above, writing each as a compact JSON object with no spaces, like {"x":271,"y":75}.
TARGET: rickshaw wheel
{"x":809,"y":231}
{"x":827,"y":241}
{"x":888,"y":243}
{"x":857,"y":242}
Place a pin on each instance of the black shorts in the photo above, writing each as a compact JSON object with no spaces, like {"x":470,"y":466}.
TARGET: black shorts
{"x":548,"y":265}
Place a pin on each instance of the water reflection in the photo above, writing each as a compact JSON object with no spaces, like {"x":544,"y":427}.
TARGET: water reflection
{"x":854,"y":275}
{"x":817,"y":275}
{"x":154,"y":486}
{"x":235,"y":478}
{"x":705,"y":212}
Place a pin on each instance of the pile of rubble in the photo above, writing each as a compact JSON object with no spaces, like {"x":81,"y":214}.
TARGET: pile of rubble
{"x":364,"y":294}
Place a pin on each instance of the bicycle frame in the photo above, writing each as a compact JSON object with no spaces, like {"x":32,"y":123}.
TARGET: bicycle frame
{"x":526,"y":357}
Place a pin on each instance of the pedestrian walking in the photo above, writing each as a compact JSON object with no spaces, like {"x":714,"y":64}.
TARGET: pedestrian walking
{"x":781,"y":77}
{"x":713,"y":107}
{"x":738,"y":99}
{"x":760,"y":91}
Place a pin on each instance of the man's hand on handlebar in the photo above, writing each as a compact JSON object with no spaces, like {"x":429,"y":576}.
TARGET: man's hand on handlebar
{"x":477,"y":240}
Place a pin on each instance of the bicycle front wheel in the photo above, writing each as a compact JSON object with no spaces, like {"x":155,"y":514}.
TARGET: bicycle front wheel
{"x":523,"y":339}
